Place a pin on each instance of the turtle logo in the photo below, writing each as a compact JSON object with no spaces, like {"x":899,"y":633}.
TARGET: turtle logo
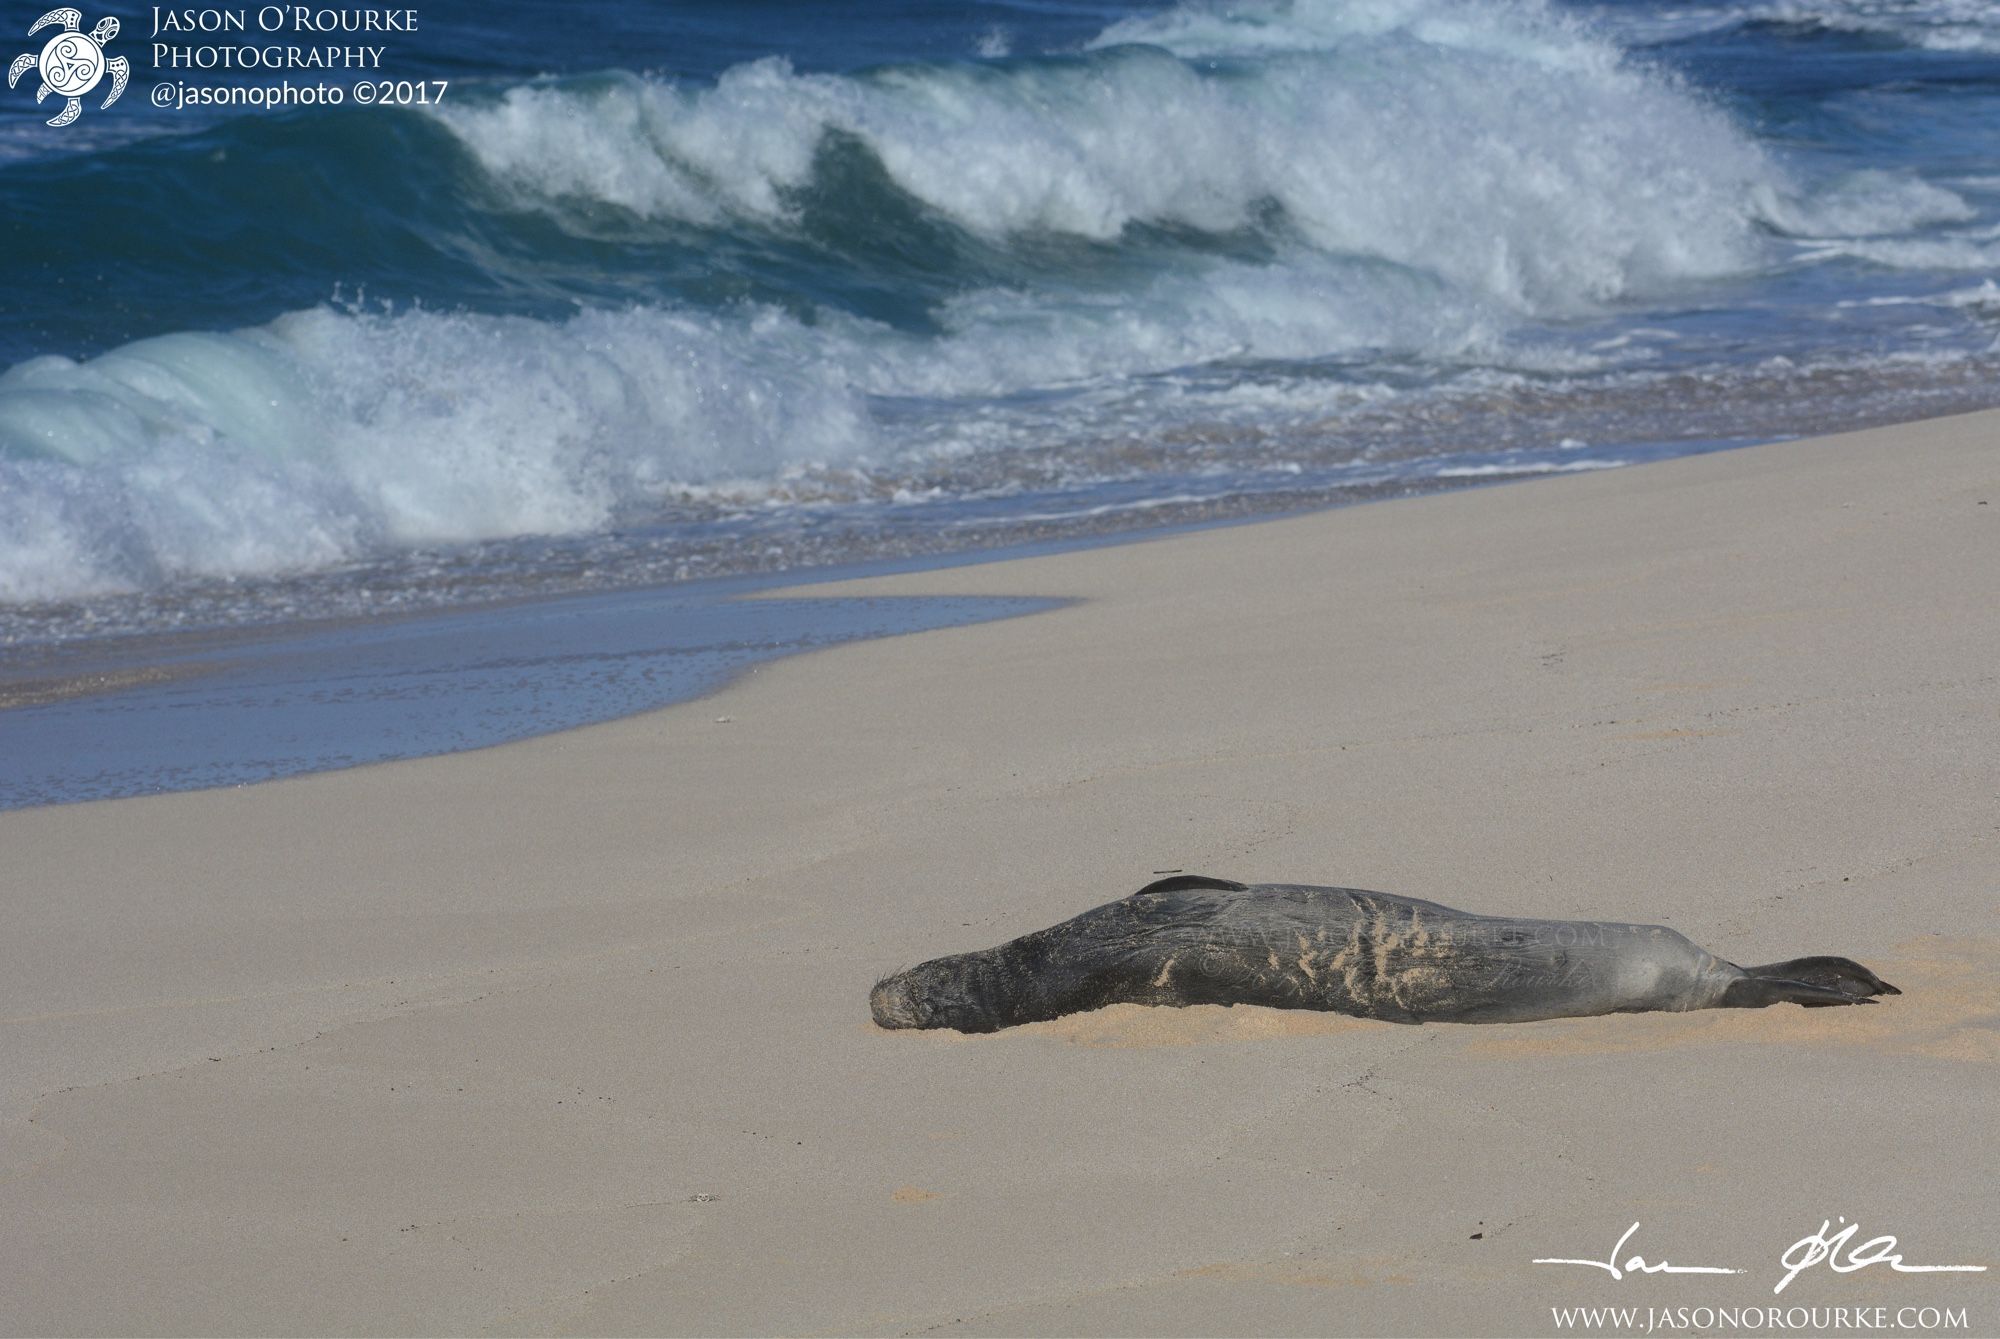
{"x":72,"y":63}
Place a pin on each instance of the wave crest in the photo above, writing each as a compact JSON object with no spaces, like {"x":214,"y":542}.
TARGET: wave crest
{"x":1502,"y":148}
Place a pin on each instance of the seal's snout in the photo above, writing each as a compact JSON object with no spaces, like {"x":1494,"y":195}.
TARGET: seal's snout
{"x":892,"y":1004}
{"x":940,"y":993}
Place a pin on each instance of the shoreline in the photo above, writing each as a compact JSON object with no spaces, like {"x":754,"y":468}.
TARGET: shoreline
{"x":571,"y":1035}
{"x":177,"y":694}
{"x":256,"y":606}
{"x":234,"y":711}
{"x":155,"y":678}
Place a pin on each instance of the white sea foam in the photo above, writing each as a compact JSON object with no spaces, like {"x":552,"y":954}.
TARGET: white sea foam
{"x":327,"y":435}
{"x":1984,"y":296}
{"x":1937,"y":25}
{"x":1975,"y":250}
{"x":1940,"y":25}
{"x":1870,"y":203}
{"x":1493,"y":471}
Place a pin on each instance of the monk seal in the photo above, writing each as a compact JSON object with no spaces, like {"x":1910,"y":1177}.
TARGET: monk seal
{"x":1197,"y":940}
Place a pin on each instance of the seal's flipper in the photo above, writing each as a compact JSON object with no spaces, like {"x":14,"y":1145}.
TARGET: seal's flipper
{"x":1182,"y":882}
{"x":1759,"y":992}
{"x":1842,"y":974}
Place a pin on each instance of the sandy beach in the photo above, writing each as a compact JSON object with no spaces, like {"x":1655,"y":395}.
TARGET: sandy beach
{"x":571,"y":1036}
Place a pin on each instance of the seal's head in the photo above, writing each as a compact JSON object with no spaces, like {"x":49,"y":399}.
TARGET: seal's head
{"x":895,"y":1004}
{"x":949,"y":992}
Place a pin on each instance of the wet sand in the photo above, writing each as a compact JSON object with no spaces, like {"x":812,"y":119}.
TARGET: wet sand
{"x":571,"y":1035}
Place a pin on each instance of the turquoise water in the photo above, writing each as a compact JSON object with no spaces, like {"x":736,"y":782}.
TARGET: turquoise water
{"x":744,"y":285}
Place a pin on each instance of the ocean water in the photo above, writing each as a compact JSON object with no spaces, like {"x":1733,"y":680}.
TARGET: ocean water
{"x":662,"y":291}
{"x":200,"y":712}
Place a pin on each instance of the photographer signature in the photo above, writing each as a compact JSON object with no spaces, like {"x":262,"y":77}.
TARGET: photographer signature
{"x":1822,"y":1247}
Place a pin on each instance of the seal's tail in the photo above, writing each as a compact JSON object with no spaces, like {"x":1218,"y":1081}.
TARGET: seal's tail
{"x":1813,"y":982}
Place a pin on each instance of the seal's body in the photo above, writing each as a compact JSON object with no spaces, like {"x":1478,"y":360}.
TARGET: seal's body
{"x":1197,"y":940}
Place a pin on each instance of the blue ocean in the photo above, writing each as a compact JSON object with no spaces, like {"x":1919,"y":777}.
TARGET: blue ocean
{"x":655,"y":290}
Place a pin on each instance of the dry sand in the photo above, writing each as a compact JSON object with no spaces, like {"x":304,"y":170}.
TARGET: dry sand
{"x":571,"y":1036}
